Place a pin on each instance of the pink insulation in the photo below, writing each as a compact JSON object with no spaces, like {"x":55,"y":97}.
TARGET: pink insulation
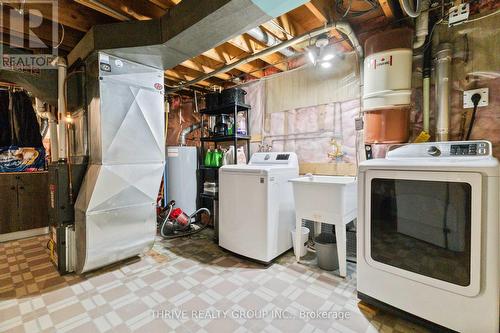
{"x":306,"y":131}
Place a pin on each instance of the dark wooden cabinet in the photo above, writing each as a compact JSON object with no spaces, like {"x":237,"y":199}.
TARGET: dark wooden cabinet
{"x":8,"y":204}
{"x":23,"y":201}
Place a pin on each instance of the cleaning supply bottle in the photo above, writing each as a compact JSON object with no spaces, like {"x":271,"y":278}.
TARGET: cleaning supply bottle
{"x":228,"y":156}
{"x":208,"y":158}
{"x":241,"y":124}
{"x":213,"y":159}
{"x":218,"y":155}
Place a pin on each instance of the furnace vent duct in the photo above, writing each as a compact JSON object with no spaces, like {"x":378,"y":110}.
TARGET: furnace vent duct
{"x":186,"y":131}
{"x":185,"y":31}
{"x":115,"y":215}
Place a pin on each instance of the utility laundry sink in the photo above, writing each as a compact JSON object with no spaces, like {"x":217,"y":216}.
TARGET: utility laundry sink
{"x":326,"y":199}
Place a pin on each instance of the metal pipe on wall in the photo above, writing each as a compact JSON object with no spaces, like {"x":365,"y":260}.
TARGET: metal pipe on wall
{"x":426,"y":80}
{"x":443,"y":82}
{"x":40,"y":111}
{"x":61,"y":108}
{"x":186,"y":131}
{"x":46,"y":113}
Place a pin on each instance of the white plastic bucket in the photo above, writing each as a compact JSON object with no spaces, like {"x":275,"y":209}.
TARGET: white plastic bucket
{"x":303,"y":241}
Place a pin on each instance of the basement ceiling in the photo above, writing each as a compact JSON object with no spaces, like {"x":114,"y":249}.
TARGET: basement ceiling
{"x":76,"y":17}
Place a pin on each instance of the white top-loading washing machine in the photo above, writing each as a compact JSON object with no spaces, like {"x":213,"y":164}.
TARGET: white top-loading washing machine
{"x":256,"y":205}
{"x":428,"y":233}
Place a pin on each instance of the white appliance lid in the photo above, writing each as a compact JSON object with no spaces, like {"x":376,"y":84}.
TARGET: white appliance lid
{"x":257,"y":169}
{"x":275,"y":159}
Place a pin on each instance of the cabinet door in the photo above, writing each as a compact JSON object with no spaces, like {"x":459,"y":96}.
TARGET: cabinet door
{"x":33,"y":201}
{"x":8,"y":203}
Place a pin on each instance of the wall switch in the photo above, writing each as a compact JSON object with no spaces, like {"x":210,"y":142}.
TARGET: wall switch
{"x":458,"y":14}
{"x":468,"y":95}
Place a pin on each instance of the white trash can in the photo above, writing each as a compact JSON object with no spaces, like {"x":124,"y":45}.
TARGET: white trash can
{"x":304,"y":237}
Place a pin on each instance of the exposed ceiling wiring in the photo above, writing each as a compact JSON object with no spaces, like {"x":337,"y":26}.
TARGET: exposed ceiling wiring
{"x":62,"y":37}
{"x":485,"y":16}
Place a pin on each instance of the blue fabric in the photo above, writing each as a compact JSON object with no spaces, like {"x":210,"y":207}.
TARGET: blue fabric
{"x":275,"y":8}
{"x":19,"y":159}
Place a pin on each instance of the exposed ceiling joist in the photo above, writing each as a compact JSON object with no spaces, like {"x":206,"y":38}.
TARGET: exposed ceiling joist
{"x":177,"y":77}
{"x":70,"y":14}
{"x":282,"y":31}
{"x":202,"y":68}
{"x":386,"y":8}
{"x":222,"y":55}
{"x":321,"y":9}
{"x":249,"y":46}
{"x":125,"y":9}
{"x":13,"y":26}
{"x":165,"y":4}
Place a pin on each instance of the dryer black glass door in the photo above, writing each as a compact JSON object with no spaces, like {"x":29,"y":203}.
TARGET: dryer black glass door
{"x":423,"y":227}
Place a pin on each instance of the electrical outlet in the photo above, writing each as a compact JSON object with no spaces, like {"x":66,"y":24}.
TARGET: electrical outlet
{"x":358,"y":123}
{"x":482,"y":102}
{"x":458,"y":14}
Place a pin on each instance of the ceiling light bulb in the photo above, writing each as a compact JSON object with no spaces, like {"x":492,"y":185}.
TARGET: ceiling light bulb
{"x":328,"y":56}
{"x":326,"y":64}
{"x":312,"y":56}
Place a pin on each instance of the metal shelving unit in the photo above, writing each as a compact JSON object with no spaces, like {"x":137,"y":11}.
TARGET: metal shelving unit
{"x":205,"y":173}
{"x":210,"y":173}
{"x":231,"y":110}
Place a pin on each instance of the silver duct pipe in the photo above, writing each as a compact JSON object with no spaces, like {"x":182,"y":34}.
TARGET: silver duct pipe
{"x":44,"y":127}
{"x":186,"y":131}
{"x":443,"y":82}
{"x":40,"y":110}
{"x":61,"y":107}
{"x":340,"y":26}
{"x":269,"y":40}
{"x":45,"y":113}
{"x":408,"y":8}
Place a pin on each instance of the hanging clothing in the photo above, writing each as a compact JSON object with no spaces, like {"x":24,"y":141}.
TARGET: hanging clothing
{"x":5,"y":133}
{"x":24,"y":121}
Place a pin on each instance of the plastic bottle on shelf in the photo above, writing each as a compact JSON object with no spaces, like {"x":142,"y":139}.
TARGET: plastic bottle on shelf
{"x":208,"y":158}
{"x":242,"y":124}
{"x":228,"y":156}
{"x":230,"y":127}
{"x":241,"y":156}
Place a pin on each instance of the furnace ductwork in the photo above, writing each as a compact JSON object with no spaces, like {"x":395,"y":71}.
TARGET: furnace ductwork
{"x":185,"y":31}
{"x":115,"y":210}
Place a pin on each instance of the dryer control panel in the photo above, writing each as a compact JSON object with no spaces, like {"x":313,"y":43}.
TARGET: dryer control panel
{"x":449,"y":149}
{"x":471,"y":149}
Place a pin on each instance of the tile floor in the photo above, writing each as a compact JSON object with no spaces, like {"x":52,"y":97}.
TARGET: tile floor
{"x":184,"y":285}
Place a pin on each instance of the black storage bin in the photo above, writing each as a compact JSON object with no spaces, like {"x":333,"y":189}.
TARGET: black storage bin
{"x":212,"y":100}
{"x":233,"y":95}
